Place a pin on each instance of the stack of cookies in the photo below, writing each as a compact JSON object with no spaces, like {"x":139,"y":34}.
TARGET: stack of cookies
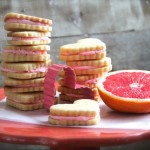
{"x":87,"y":57}
{"x":25,"y":60}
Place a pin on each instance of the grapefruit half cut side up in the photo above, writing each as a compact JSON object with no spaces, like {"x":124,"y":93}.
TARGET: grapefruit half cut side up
{"x":126,"y":90}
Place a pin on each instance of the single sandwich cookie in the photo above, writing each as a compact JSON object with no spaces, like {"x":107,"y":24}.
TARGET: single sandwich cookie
{"x":87,"y":78}
{"x":25,"y":70}
{"x":26,"y":85}
{"x":92,"y":70}
{"x":23,"y":89}
{"x":69,"y":98}
{"x":88,"y":83}
{"x":28,"y":38}
{"x":16,"y":22}
{"x":90,"y":66}
{"x":25,"y":53}
{"x":24,"y":107}
{"x":89,"y":70}
{"x":83,"y":51}
{"x":69,"y":94}
{"x":25,"y":98}
{"x":78,"y":113}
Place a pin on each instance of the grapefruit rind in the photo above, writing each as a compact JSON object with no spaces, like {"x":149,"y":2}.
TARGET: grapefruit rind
{"x":121,"y":104}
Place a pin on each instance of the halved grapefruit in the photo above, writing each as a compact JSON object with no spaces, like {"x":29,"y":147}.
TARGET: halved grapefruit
{"x":126,"y":90}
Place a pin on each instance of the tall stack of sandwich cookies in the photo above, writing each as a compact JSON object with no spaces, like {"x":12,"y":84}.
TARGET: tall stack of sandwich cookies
{"x":87,"y":57}
{"x":25,"y":60}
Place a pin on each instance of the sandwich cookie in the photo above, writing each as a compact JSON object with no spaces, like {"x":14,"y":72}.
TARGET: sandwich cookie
{"x":81,"y":112}
{"x":83,"y":51}
{"x":25,"y":53}
{"x":85,"y":67}
{"x":70,"y":95}
{"x":28,"y":38}
{"x":25,"y":70}
{"x":26,"y":85}
{"x":16,"y":22}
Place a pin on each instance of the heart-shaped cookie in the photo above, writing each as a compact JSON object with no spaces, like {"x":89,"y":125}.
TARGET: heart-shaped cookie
{"x":84,"y":49}
{"x":81,"y":112}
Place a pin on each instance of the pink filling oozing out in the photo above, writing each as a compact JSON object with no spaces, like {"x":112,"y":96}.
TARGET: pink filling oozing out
{"x":78,"y":118}
{"x":25,"y":52}
{"x":83,"y":53}
{"x":42,"y":69}
{"x":24,"y":21}
{"x":29,"y":38}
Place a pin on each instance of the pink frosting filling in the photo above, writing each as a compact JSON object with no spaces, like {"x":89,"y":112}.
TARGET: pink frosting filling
{"x":24,"y":21}
{"x":29,"y":38}
{"x":78,"y":118}
{"x":24,"y":52}
{"x":82,"y":53}
{"x":42,"y":69}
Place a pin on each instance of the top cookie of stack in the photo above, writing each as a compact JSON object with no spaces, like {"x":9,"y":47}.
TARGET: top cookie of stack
{"x":87,"y":57}
{"x":25,"y":59}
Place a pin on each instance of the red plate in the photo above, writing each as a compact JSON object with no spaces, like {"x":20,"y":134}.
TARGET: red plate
{"x":66,"y":138}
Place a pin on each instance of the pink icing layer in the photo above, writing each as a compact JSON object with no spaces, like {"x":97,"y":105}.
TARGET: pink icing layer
{"x":24,"y":52}
{"x":29,"y":38}
{"x":82,"y":53}
{"x":24,"y":21}
{"x":78,"y":118}
{"x":42,"y":69}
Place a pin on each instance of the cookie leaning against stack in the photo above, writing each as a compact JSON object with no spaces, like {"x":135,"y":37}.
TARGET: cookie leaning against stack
{"x":87,"y":57}
{"x":25,"y":60}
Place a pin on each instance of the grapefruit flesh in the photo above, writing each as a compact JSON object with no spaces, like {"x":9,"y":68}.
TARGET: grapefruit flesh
{"x":126,"y":90}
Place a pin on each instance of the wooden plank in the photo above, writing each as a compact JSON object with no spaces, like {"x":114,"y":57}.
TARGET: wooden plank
{"x":79,"y":17}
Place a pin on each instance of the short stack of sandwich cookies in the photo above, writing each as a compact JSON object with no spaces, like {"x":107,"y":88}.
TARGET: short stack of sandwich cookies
{"x":25,"y":60}
{"x":87,"y":57}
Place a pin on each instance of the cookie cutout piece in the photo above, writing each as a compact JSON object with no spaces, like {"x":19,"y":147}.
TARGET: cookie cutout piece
{"x":82,"y":113}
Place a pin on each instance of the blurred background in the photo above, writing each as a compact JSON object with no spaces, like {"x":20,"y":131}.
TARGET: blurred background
{"x":124,"y":25}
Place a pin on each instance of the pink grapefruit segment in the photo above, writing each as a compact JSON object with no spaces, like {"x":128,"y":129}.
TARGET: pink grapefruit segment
{"x":126,"y":90}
